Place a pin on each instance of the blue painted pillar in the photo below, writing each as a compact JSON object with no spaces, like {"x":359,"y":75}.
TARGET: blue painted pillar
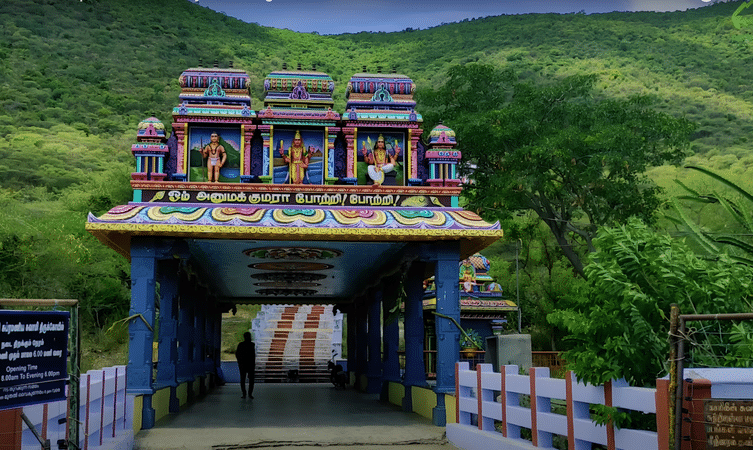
{"x":143,"y":296}
{"x":352,"y":338}
{"x":217,"y":344}
{"x":413,"y":330}
{"x":198,"y":358}
{"x":185,"y":334}
{"x":390,"y":335}
{"x":167,"y":359}
{"x":448,"y":334}
{"x":374,"y":374}
{"x":361,"y":346}
{"x":209,"y":365}
{"x":182,"y":335}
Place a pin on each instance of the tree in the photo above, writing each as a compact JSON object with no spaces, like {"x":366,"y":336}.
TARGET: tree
{"x":532,"y":271}
{"x":619,"y":323}
{"x":576,"y":160}
{"x":737,"y":242}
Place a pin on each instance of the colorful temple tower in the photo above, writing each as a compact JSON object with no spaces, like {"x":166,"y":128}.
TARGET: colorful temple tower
{"x":442,"y":157}
{"x":150,"y":151}
{"x":382,"y":106}
{"x":213,"y":101}
{"x":235,"y":200}
{"x":299,"y":128}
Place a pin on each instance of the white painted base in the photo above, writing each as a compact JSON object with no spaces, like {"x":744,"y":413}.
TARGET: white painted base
{"x":469,"y":437}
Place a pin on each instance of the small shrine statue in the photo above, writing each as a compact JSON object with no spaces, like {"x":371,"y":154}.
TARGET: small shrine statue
{"x":216,"y":157}
{"x":467,"y":275}
{"x":380,"y":160}
{"x":494,"y":287}
{"x":297,"y":159}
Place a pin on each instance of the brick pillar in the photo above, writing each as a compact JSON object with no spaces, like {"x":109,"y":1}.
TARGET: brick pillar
{"x":10,"y":429}
{"x":693,"y":433}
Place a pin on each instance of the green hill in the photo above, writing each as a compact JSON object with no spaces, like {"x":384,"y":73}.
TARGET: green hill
{"x":76,"y":77}
{"x":101,"y":66}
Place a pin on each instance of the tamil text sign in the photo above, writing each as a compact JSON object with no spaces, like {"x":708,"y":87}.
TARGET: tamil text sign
{"x":33,"y":356}
{"x":729,"y":424}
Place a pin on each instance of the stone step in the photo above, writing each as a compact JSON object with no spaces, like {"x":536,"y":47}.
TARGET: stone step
{"x":295,"y":338}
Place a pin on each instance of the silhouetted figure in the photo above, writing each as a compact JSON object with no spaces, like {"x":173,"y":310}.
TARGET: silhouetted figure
{"x":245,"y":354}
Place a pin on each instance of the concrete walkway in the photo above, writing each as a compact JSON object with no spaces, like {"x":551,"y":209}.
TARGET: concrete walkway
{"x":292,"y":416}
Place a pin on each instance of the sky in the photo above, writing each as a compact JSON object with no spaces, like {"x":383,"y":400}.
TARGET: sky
{"x":353,"y":16}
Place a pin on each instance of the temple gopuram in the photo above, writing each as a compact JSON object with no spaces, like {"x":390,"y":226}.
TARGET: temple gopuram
{"x":293,"y":204}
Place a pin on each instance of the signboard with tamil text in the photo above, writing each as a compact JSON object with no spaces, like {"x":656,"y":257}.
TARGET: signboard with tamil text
{"x":33,"y":357}
{"x":729,"y":424}
{"x":176,"y":196}
{"x":271,"y":195}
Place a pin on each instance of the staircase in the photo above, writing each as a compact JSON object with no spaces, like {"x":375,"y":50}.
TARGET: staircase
{"x":298,"y":337}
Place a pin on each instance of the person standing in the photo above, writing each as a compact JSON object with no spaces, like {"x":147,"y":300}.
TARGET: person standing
{"x":245,"y":354}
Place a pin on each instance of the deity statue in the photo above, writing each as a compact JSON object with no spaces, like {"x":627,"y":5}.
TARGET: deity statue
{"x":494,"y":287}
{"x":380,"y":160}
{"x":467,"y":275}
{"x":297,"y":159}
{"x":216,"y":157}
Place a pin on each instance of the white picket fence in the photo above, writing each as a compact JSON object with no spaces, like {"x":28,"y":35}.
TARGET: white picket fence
{"x":106,"y":414}
{"x":489,"y":413}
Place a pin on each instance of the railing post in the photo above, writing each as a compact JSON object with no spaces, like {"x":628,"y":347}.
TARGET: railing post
{"x":479,"y":401}
{"x":575,"y":410}
{"x":570,"y":408}
{"x":44,"y":421}
{"x":463,"y":417}
{"x":115,"y":403}
{"x":125,"y":398}
{"x":510,"y":399}
{"x":543,"y":404}
{"x":663,"y":407}
{"x":88,"y":401}
{"x":503,"y":398}
{"x":68,"y":412}
{"x":484,"y":395}
{"x":102,"y":410}
{"x":610,"y":424}
{"x":457,"y":392}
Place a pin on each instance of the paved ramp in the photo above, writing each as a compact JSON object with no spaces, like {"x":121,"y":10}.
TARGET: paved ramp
{"x":292,"y":416}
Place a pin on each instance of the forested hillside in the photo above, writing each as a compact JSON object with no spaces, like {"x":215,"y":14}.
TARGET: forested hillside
{"x":77,"y":77}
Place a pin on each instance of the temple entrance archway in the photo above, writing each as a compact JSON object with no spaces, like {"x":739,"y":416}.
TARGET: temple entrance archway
{"x":293,"y":204}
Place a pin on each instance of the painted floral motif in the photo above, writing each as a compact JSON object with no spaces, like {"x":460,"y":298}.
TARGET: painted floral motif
{"x":122,"y":212}
{"x":309,"y":216}
{"x":163,"y":213}
{"x":425,"y":218}
{"x":244,"y":214}
{"x":291,"y":266}
{"x":291,"y":253}
{"x":352,"y":217}
{"x":313,"y":218}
